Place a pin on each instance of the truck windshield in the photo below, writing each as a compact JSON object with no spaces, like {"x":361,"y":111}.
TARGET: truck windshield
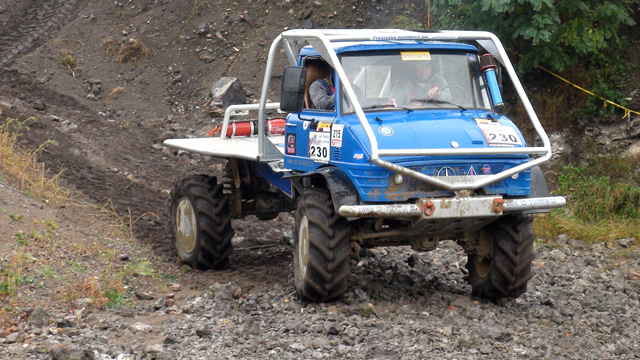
{"x":415,"y":80}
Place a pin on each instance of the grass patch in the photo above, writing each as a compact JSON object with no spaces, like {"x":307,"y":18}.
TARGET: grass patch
{"x":599,"y":208}
{"x":116,"y":298}
{"x":549,"y":226}
{"x":115,"y":93}
{"x":110,"y":46}
{"x":140,"y":267}
{"x":66,"y":59}
{"x":594,"y":198}
{"x":132,"y":51}
{"x":12,"y":215}
{"x":23,"y":168}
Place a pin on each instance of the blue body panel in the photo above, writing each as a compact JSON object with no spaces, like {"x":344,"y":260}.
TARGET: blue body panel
{"x":411,"y":130}
{"x":419,"y":129}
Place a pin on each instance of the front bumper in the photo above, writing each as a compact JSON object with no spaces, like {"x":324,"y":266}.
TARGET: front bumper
{"x":450,"y":208}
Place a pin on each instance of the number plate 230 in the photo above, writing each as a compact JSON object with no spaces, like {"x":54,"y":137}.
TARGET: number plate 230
{"x":319,"y":146}
{"x":500,"y":135}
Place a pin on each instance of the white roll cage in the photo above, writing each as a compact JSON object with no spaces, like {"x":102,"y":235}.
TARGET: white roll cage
{"x":322,"y":39}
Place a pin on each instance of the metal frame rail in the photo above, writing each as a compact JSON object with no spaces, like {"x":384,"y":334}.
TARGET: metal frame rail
{"x":321,"y":40}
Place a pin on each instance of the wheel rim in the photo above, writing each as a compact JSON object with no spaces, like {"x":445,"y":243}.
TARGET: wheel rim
{"x":482,"y":266}
{"x":187,"y":231}
{"x":303,"y":246}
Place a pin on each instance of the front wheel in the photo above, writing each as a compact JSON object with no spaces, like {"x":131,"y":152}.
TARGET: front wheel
{"x":201,"y":222}
{"x":505,"y":269}
{"x":321,"y":249}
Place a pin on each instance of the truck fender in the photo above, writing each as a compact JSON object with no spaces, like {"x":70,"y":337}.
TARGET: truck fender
{"x":539,"y":188}
{"x":343,"y":192}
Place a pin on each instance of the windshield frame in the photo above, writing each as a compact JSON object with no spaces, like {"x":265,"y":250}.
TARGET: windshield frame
{"x":475,"y":89}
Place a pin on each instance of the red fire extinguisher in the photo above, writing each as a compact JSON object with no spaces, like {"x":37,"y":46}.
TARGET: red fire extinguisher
{"x":250,"y":128}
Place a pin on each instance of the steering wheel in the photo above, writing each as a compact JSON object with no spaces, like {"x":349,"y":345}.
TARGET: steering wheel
{"x":457,"y":94}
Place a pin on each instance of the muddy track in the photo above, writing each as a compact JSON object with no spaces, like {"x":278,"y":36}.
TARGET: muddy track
{"x":32,"y":24}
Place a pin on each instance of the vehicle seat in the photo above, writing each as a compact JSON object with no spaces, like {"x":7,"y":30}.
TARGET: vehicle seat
{"x":316,"y":69}
{"x":313,"y":73}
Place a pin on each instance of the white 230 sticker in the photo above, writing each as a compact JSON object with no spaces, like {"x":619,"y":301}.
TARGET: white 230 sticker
{"x":499,"y":135}
{"x":319,"y":146}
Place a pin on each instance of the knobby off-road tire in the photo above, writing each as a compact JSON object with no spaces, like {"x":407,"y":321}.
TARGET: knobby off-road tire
{"x":201,"y":222}
{"x":321,"y":248}
{"x":507,"y":272}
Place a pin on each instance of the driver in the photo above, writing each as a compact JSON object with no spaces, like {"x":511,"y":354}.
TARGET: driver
{"x":426,"y":85}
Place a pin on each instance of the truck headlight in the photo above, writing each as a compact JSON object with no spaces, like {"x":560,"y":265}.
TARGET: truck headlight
{"x":398,"y":179}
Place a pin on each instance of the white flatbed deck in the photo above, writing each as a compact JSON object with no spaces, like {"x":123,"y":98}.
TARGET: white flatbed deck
{"x":237,"y":147}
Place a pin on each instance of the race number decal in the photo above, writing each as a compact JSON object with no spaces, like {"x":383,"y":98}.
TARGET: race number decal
{"x":319,"y":146}
{"x":336,"y":135}
{"x":498,"y":134}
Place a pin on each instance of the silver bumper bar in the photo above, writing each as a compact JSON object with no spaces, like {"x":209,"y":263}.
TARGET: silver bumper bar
{"x":447,"y":208}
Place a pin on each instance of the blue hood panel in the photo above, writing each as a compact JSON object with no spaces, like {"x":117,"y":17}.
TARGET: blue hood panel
{"x":424,"y":129}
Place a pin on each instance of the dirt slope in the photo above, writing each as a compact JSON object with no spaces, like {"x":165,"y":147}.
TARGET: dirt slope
{"x":52,"y":55}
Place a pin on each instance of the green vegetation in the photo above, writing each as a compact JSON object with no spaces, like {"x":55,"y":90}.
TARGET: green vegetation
{"x":600,"y":208}
{"x":578,"y":39}
{"x":66,"y":59}
{"x":549,"y":33}
{"x":116,"y":298}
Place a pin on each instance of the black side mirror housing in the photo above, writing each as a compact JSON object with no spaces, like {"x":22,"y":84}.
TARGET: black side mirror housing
{"x":294,"y":81}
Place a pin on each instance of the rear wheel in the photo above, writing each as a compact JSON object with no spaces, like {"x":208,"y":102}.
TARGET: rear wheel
{"x":506,"y":269}
{"x":201,"y":222}
{"x":321,"y":248}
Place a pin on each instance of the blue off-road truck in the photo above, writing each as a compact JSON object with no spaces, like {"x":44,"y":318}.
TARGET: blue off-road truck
{"x":408,"y":156}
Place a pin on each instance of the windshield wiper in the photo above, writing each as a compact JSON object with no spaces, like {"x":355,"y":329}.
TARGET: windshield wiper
{"x":387,"y":106}
{"x":431,"y":100}
{"x":449,"y":103}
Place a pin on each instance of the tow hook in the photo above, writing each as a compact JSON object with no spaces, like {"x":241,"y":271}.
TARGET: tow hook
{"x":429,"y":208}
{"x":498,"y":205}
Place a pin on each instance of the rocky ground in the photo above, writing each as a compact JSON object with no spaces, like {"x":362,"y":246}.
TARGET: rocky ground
{"x":581,"y":304}
{"x":109,"y":117}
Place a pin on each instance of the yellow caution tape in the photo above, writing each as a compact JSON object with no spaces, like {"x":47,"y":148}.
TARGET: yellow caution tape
{"x":626,"y":111}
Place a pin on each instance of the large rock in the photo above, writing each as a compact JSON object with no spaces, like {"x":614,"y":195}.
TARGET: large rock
{"x":39,"y":317}
{"x":70,"y":353}
{"x":224,"y":92}
{"x":250,"y":327}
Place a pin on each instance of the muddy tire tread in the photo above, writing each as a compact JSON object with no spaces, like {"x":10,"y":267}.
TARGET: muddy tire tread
{"x":513,"y":254}
{"x":329,"y":249}
{"x":213,"y":243}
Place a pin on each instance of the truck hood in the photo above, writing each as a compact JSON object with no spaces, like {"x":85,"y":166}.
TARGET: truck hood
{"x":425,"y":129}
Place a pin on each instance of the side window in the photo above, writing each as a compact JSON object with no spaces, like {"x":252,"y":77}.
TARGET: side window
{"x":319,"y":90}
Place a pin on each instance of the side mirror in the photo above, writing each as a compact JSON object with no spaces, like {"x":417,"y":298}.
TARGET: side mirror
{"x":488,"y":67}
{"x":293,"y":86}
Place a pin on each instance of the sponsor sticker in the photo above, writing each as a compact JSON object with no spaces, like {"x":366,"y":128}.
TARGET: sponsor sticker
{"x":471,"y":171}
{"x":471,"y":57}
{"x":358,"y":156}
{"x":291,"y":144}
{"x":322,"y":127}
{"x":336,"y":135}
{"x":415,"y":55}
{"x":319,"y":143}
{"x":305,"y":125}
{"x":486,"y":169}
